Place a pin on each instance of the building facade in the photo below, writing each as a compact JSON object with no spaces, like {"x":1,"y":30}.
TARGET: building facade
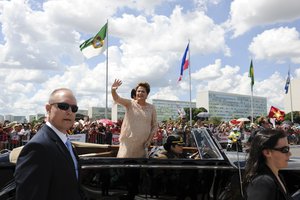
{"x":228,"y":105}
{"x":31,"y":118}
{"x":9,"y":118}
{"x":168,"y":109}
{"x":165,"y":109}
{"x":98,"y":112}
{"x":117,"y":112}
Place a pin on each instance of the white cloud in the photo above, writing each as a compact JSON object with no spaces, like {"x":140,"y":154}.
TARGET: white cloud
{"x":165,"y":93}
{"x":163,"y":33}
{"x":281,"y":44}
{"x":216,"y":77}
{"x":271,"y":88}
{"x":209,"y":72}
{"x":228,"y":81}
{"x":203,"y":4}
{"x":245,"y":14}
{"x":39,"y":52}
{"x":32,"y":40}
{"x":23,"y":75}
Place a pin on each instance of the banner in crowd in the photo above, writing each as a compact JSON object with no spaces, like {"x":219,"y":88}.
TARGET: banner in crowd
{"x":77,"y":137}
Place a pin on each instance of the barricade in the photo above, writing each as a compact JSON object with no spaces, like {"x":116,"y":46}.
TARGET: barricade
{"x":98,"y":138}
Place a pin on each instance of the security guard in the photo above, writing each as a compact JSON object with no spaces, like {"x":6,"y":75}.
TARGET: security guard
{"x":173,"y":148}
{"x":234,"y":142}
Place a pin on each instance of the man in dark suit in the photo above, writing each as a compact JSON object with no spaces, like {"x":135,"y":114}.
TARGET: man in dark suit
{"x":45,"y":169}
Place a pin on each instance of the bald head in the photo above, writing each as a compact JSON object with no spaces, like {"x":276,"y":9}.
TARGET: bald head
{"x":59,"y":92}
{"x":61,"y":109}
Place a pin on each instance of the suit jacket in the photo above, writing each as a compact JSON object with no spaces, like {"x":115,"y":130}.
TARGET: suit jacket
{"x":45,"y":169}
{"x":265,"y":186}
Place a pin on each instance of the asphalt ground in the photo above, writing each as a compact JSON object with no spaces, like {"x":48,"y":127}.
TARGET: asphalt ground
{"x":295,"y":150}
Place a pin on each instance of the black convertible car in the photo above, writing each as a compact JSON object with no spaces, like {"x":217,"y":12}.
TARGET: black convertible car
{"x":209,"y":172}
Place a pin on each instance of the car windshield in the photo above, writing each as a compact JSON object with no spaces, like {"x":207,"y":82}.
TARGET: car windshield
{"x":206,"y":146}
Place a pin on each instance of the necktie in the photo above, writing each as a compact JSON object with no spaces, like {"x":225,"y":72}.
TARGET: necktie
{"x":69,"y":146}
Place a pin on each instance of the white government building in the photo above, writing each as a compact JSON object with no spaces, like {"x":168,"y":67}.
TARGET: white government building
{"x":229,"y":106}
{"x":165,"y":109}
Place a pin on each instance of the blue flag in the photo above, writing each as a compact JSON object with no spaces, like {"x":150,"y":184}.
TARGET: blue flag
{"x":286,"y":87}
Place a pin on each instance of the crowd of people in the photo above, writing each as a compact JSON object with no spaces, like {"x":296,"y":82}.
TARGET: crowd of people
{"x":14,"y":134}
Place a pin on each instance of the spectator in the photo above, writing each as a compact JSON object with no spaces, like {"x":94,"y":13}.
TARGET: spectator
{"x":25,"y":134}
{"x":14,"y":136}
{"x":3,"y":137}
{"x":133,"y":93}
{"x":101,"y":133}
{"x":263,"y":123}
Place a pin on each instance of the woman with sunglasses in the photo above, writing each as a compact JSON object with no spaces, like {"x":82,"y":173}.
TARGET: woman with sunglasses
{"x":269,"y":152}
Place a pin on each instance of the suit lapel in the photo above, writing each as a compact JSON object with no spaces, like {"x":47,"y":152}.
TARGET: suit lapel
{"x":61,"y":147}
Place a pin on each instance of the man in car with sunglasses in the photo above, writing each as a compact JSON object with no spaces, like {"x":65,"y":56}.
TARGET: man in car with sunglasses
{"x":47,"y":166}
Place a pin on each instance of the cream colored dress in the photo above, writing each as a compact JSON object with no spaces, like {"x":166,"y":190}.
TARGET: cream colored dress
{"x":138,"y":128}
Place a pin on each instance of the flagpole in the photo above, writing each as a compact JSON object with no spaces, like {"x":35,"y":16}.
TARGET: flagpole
{"x":252,"y":104}
{"x":190,"y":84}
{"x":292,"y":117}
{"x":252,"y":84}
{"x":106,"y":89}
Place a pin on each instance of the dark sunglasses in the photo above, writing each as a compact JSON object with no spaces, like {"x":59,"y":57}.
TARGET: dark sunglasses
{"x":66,"y":106}
{"x":285,"y":149}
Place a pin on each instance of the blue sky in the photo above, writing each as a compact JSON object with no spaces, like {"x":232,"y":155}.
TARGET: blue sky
{"x":39,"y":48}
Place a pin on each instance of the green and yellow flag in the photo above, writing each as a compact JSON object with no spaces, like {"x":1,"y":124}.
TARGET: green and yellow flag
{"x":251,"y":75}
{"x":95,"y":45}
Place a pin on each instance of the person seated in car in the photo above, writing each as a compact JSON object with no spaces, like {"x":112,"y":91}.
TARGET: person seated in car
{"x":173,"y":148}
{"x":187,"y":179}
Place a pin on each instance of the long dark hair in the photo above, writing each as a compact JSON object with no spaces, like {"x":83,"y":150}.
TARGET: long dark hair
{"x":264,"y":139}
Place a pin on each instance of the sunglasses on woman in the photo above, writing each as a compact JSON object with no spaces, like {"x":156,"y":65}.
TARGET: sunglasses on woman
{"x":285,"y":149}
{"x":66,"y":106}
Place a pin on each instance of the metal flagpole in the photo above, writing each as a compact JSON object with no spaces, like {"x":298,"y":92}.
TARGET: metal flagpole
{"x":252,"y":104}
{"x":290,"y":87}
{"x":252,"y":84}
{"x":190,"y":85}
{"x":106,"y":89}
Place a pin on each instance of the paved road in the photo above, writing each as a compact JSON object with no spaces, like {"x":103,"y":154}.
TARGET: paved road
{"x":295,"y":150}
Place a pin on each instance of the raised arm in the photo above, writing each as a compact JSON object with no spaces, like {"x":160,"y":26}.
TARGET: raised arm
{"x":116,"y":84}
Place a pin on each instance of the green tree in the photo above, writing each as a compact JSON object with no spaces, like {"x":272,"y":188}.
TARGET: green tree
{"x":296,"y":116}
{"x":195,"y":112}
{"x":215,"y":120}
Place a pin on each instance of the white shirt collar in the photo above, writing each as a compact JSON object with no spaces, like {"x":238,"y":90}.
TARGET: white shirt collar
{"x":60,"y":134}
